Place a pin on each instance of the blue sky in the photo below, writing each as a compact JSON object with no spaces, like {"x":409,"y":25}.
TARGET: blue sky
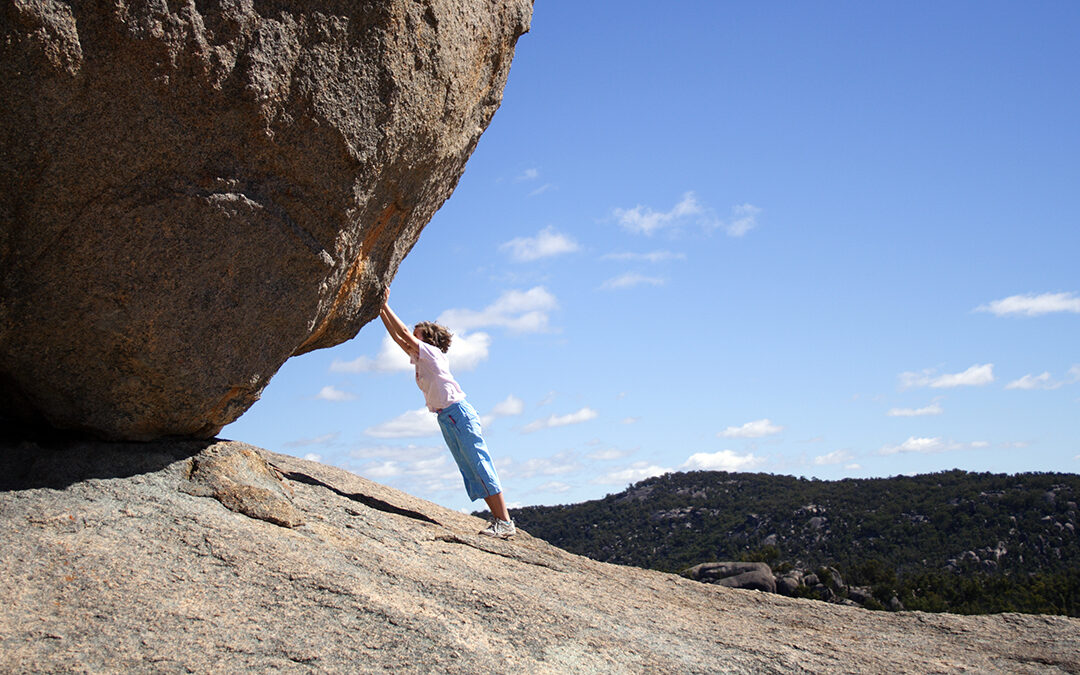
{"x":829,"y":239}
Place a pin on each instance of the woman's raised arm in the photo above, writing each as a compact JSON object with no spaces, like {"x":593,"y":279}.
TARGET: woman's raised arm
{"x":397,"y":329}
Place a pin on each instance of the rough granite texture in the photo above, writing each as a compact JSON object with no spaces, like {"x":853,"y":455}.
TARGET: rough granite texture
{"x":109,"y":565}
{"x":193,"y":192}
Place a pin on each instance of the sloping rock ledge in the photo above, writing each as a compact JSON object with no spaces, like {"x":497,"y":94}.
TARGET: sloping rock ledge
{"x":217,"y":556}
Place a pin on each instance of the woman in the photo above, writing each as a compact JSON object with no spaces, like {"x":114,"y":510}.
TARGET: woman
{"x":426,"y":347}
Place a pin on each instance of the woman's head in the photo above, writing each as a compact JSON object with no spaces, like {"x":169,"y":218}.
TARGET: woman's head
{"x":433,"y":334}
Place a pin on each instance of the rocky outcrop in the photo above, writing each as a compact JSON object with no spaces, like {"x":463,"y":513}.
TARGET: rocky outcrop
{"x":825,"y":583}
{"x":755,"y":576}
{"x":193,"y":192}
{"x":112,"y":563}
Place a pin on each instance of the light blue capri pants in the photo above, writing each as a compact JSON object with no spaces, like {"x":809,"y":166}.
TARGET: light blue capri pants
{"x":461,"y":430}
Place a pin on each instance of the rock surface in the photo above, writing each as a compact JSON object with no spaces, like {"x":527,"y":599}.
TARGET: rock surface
{"x":111,"y":566}
{"x":193,"y":192}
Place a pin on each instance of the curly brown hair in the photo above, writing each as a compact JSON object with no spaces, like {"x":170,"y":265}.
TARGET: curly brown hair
{"x":434,"y":334}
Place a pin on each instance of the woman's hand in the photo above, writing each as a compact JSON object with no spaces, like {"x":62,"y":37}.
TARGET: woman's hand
{"x":386,"y":296}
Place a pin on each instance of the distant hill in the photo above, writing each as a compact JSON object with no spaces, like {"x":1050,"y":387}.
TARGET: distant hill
{"x":955,"y":541}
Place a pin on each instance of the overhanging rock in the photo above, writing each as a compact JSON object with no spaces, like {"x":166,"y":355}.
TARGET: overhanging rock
{"x":191,"y":193}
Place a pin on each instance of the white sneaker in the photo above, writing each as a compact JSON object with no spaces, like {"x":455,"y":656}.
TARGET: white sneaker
{"x":502,"y":529}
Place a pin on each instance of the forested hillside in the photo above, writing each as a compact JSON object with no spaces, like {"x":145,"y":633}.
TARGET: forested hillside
{"x":956,"y":541}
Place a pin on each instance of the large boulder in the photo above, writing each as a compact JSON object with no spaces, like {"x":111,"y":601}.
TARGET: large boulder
{"x":191,"y":193}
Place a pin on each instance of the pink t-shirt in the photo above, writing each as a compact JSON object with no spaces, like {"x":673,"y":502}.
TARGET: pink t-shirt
{"x":434,"y":378}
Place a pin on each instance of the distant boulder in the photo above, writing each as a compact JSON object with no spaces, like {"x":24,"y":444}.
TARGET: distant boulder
{"x":191,"y":193}
{"x":756,"y":576}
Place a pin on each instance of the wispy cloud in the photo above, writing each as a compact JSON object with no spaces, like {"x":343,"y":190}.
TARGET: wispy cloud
{"x":743,"y":219}
{"x":1033,"y":305}
{"x":644,"y":220}
{"x":516,"y":311}
{"x":332,"y":393}
{"x":1043,"y":381}
{"x":932,"y":409}
{"x":412,"y":424}
{"x":834,"y":457}
{"x":553,"y":486}
{"x":508,"y":407}
{"x":925,"y":446}
{"x":756,"y":429}
{"x":415,"y":469}
{"x":325,"y":439}
{"x":629,"y":280}
{"x":637,"y":471}
{"x":650,"y":257}
{"x":975,"y":376}
{"x":724,"y":460}
{"x":528,"y":174}
{"x":542,"y":189}
{"x":545,"y":244}
{"x":556,"y":465}
{"x":583,"y":415}
{"x":608,"y":454}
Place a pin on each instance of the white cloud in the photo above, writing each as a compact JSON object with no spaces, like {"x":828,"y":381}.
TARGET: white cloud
{"x":932,"y":409}
{"x":724,"y":460}
{"x":852,"y":467}
{"x":1074,"y":374}
{"x":517,"y":311}
{"x":583,"y":415}
{"x":382,"y":470}
{"x":556,"y":465}
{"x":975,"y":376}
{"x":528,"y":174}
{"x":436,"y":473}
{"x":834,"y":457}
{"x":651,"y":257}
{"x":391,"y":358}
{"x":608,"y":454}
{"x":629,"y":420}
{"x":412,"y":424}
{"x":1034,"y":382}
{"x":1033,"y":305}
{"x":542,"y":189}
{"x":325,"y":439}
{"x":313,"y":457}
{"x":467,"y":350}
{"x":926,"y":446}
{"x":635,"y":472}
{"x":743,"y":219}
{"x":643,"y":220}
{"x":553,"y":486}
{"x":629,"y":280}
{"x":508,"y":407}
{"x":545,"y":244}
{"x":332,"y":393}
{"x":756,"y":429}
